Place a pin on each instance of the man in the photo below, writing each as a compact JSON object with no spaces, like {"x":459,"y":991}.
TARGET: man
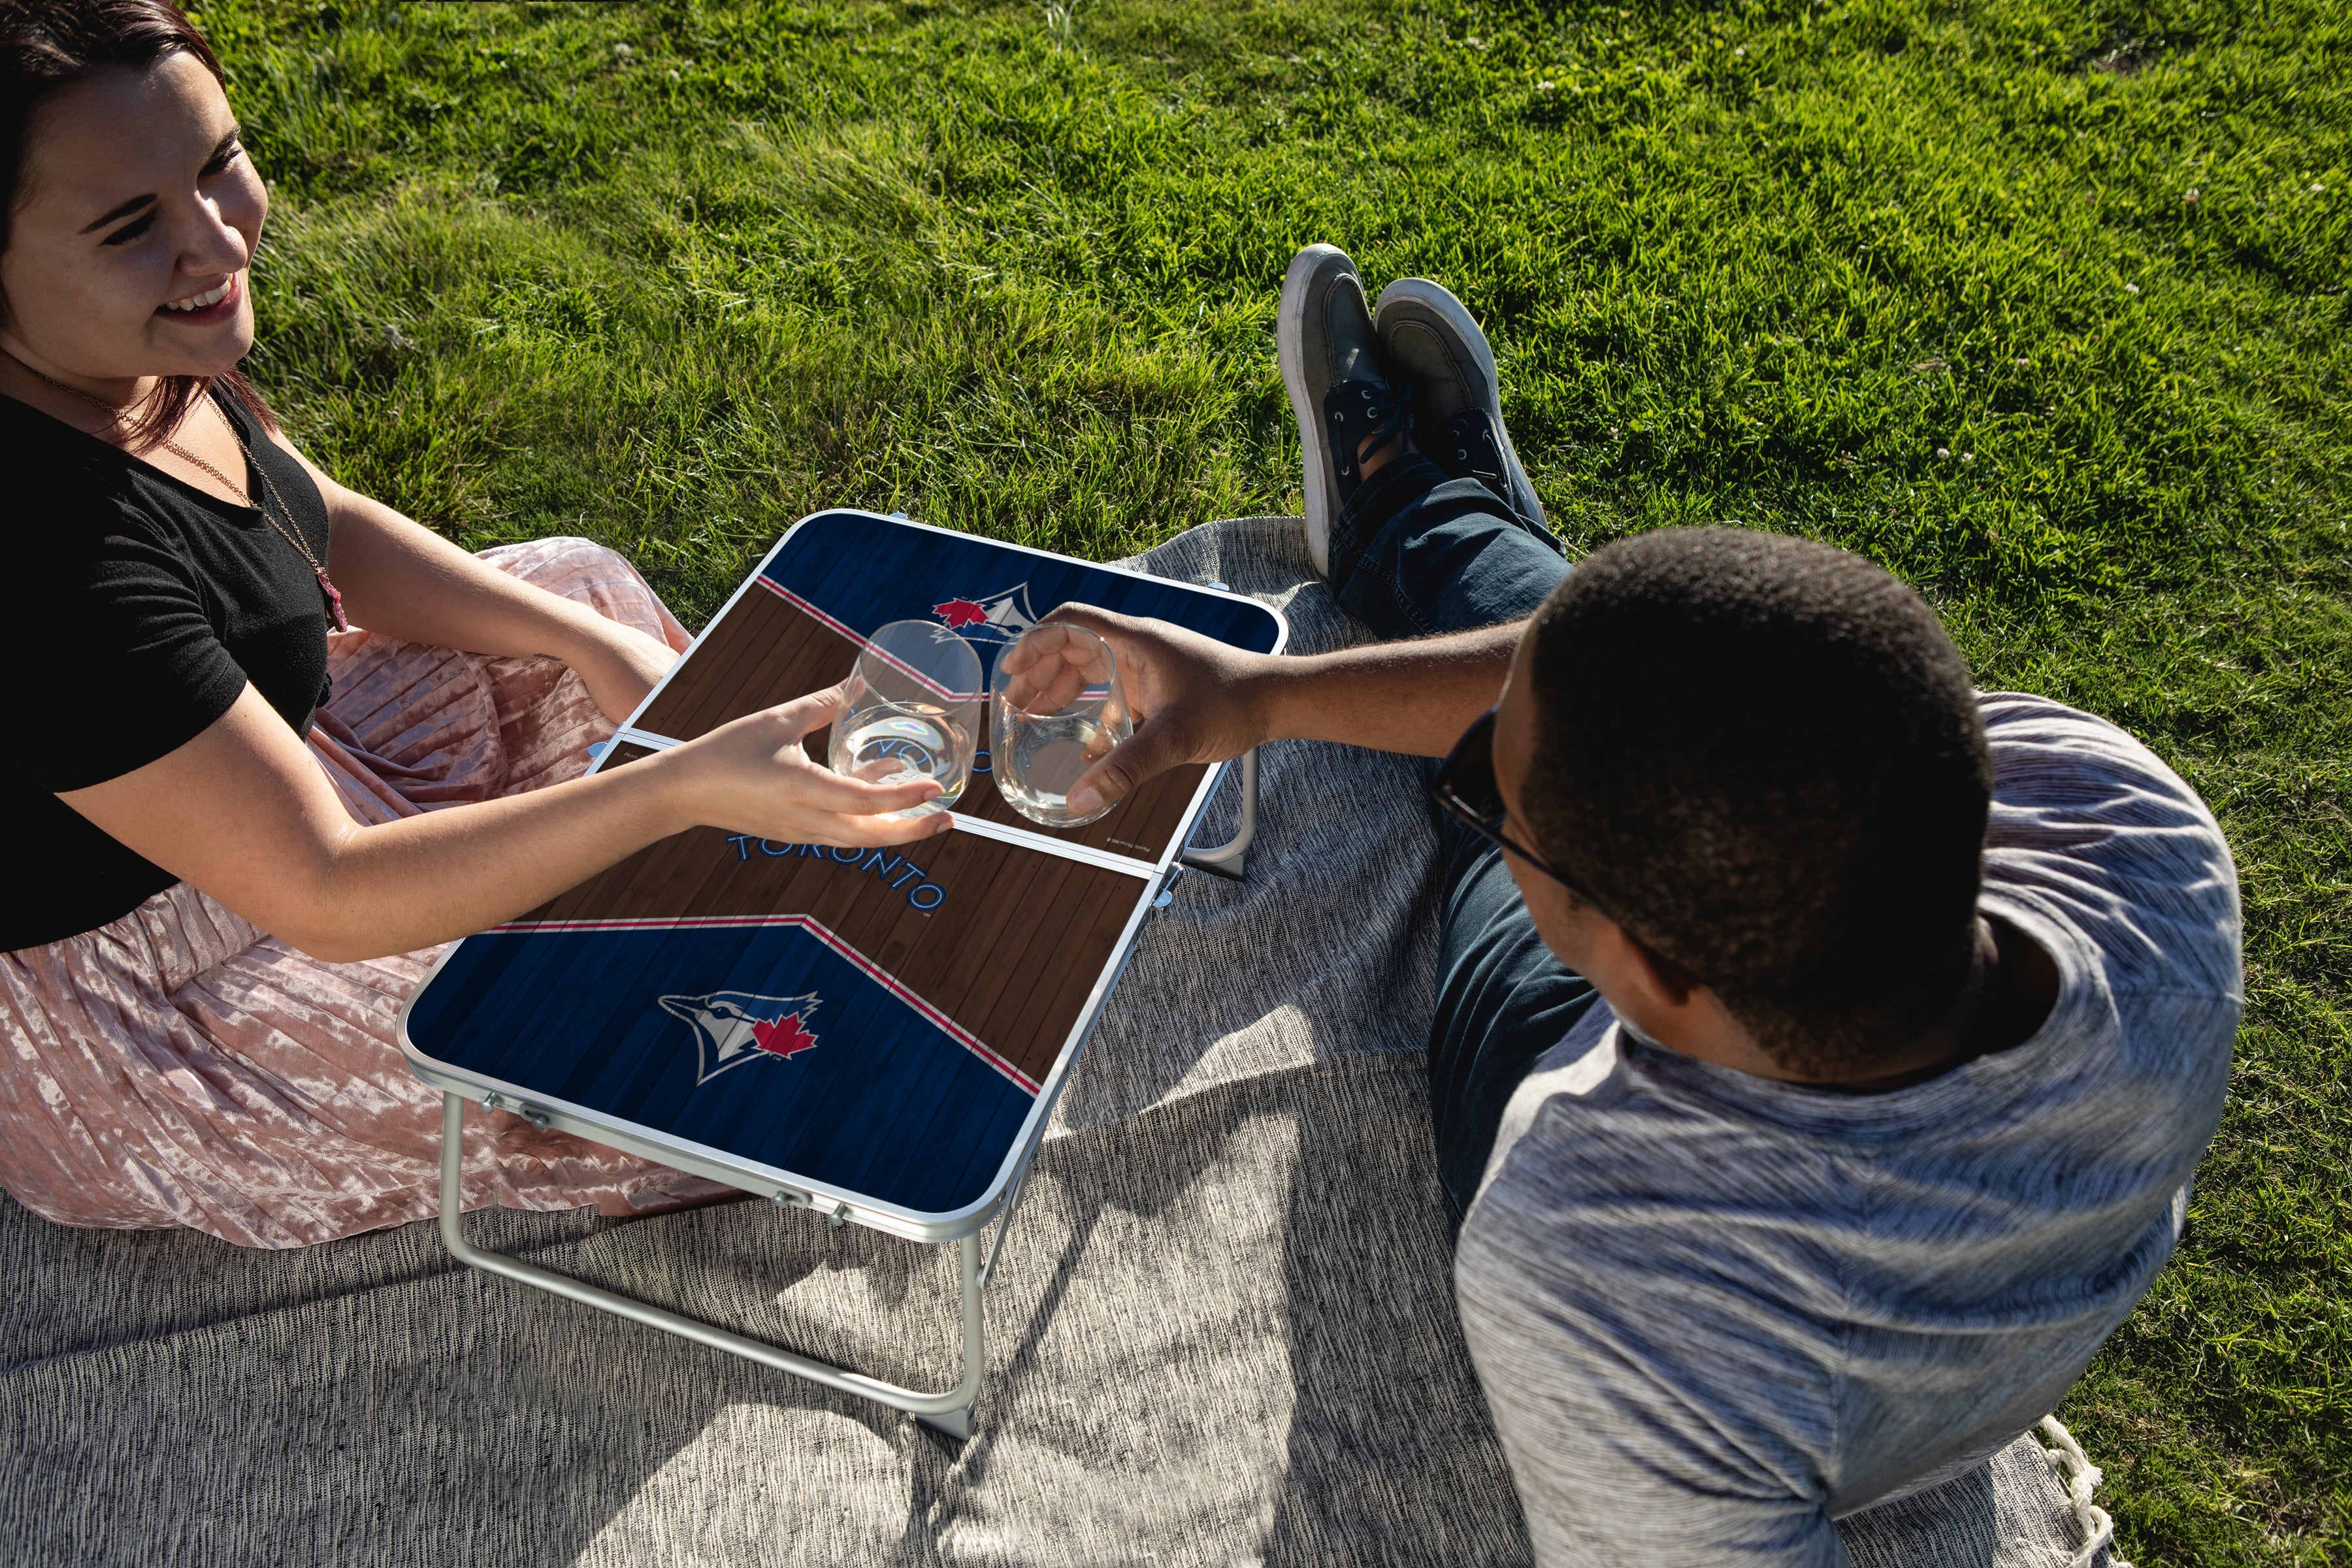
{"x":1821,"y":1051}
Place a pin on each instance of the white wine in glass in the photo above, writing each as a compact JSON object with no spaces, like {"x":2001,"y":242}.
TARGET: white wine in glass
{"x":914,"y":712}
{"x":1057,"y":709}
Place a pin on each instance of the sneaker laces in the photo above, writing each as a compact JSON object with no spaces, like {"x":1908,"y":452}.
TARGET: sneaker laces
{"x":1471,"y":434}
{"x":1384,"y":412}
{"x":1402,"y":419}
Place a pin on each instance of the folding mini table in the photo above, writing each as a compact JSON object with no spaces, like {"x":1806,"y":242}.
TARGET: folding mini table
{"x":878,"y":1035}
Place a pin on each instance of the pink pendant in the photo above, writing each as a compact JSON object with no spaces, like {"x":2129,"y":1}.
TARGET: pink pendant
{"x":334,"y":600}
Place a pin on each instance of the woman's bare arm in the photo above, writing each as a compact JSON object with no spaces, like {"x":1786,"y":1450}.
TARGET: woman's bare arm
{"x":245,"y":812}
{"x":400,"y":578}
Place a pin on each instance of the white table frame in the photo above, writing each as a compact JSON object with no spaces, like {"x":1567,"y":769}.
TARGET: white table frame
{"x":949,"y":1412}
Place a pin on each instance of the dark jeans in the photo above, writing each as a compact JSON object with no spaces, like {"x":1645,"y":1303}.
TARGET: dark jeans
{"x":1415,"y":554}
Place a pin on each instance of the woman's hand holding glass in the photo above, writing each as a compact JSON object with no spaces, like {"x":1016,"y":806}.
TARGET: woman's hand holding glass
{"x":755,"y":775}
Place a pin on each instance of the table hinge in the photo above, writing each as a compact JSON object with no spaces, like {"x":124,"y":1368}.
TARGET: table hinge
{"x":494,"y":1100}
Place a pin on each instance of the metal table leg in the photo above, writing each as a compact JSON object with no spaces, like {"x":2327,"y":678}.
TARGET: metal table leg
{"x":1229,"y":859}
{"x":950,"y":1412}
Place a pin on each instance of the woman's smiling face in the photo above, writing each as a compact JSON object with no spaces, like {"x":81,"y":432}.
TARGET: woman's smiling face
{"x":136,"y":217}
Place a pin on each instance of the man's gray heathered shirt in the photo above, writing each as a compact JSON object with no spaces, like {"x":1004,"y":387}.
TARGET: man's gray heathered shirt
{"x":1714,"y":1312}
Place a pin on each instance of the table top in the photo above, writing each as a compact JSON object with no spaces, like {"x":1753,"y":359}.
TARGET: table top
{"x":877,"y":1029}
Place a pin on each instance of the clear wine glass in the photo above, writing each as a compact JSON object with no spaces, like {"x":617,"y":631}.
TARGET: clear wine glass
{"x":914,"y":713}
{"x":1055,"y":709}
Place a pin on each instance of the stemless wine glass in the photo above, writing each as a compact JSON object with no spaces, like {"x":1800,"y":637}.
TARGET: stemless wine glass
{"x":1055,"y":709}
{"x":914,"y":712}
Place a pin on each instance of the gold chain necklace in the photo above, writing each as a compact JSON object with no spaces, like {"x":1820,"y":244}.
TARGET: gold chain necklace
{"x":292,"y":535}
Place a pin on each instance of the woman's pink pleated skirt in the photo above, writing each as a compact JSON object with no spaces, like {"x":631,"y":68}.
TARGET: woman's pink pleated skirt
{"x":182,"y":1068}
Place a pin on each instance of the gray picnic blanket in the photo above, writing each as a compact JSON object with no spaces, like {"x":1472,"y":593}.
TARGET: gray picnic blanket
{"x":1222,"y":1330}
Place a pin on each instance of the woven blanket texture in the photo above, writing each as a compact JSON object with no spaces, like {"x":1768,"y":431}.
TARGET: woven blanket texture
{"x":1223,"y":1330}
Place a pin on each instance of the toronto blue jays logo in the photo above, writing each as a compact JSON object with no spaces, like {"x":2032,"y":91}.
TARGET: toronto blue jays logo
{"x":993,"y":618}
{"x":731,"y":1027}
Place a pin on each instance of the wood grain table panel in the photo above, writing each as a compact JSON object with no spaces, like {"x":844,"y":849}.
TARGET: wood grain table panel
{"x":975,"y":956}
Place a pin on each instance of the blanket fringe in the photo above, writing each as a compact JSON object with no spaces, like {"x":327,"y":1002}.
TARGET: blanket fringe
{"x":2081,"y":1478}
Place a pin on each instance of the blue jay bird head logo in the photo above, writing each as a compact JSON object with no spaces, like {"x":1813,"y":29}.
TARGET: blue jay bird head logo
{"x":993,"y":618}
{"x":731,"y":1027}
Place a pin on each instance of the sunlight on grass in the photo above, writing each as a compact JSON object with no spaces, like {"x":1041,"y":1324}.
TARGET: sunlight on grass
{"x":2041,"y":305}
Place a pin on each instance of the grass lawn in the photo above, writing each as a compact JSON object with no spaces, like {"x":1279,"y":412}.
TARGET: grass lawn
{"x":2040,"y":304}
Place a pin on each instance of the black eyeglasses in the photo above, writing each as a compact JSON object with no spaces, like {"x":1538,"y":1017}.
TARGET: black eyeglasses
{"x":1464,"y":786}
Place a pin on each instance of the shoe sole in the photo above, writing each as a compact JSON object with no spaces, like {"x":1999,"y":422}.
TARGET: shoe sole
{"x":1290,"y":352}
{"x":1464,"y":329}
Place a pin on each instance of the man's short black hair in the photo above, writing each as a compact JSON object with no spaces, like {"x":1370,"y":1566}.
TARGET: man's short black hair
{"x":1764,"y":757}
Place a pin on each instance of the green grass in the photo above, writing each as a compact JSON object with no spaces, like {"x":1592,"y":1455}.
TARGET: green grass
{"x":1012,"y":268}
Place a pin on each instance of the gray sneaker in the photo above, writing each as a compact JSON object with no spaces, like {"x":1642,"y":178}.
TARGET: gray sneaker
{"x":1337,"y":380}
{"x":1435,"y":346}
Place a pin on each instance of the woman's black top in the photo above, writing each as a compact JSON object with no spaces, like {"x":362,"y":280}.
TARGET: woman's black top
{"x":142,"y":607}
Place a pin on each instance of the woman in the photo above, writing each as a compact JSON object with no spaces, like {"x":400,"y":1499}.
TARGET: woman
{"x":241,"y":834}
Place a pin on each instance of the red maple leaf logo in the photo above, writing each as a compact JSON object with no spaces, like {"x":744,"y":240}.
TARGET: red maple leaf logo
{"x":785,"y":1037}
{"x":959,"y":612}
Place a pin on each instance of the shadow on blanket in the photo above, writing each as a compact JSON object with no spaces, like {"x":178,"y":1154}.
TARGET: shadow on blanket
{"x":1222,"y":1330}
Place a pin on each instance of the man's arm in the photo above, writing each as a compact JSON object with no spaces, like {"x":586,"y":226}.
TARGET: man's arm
{"x":1198,"y":700}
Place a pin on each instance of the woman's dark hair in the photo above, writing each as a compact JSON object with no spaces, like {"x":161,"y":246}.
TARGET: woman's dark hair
{"x":1764,"y":757}
{"x":46,"y":45}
